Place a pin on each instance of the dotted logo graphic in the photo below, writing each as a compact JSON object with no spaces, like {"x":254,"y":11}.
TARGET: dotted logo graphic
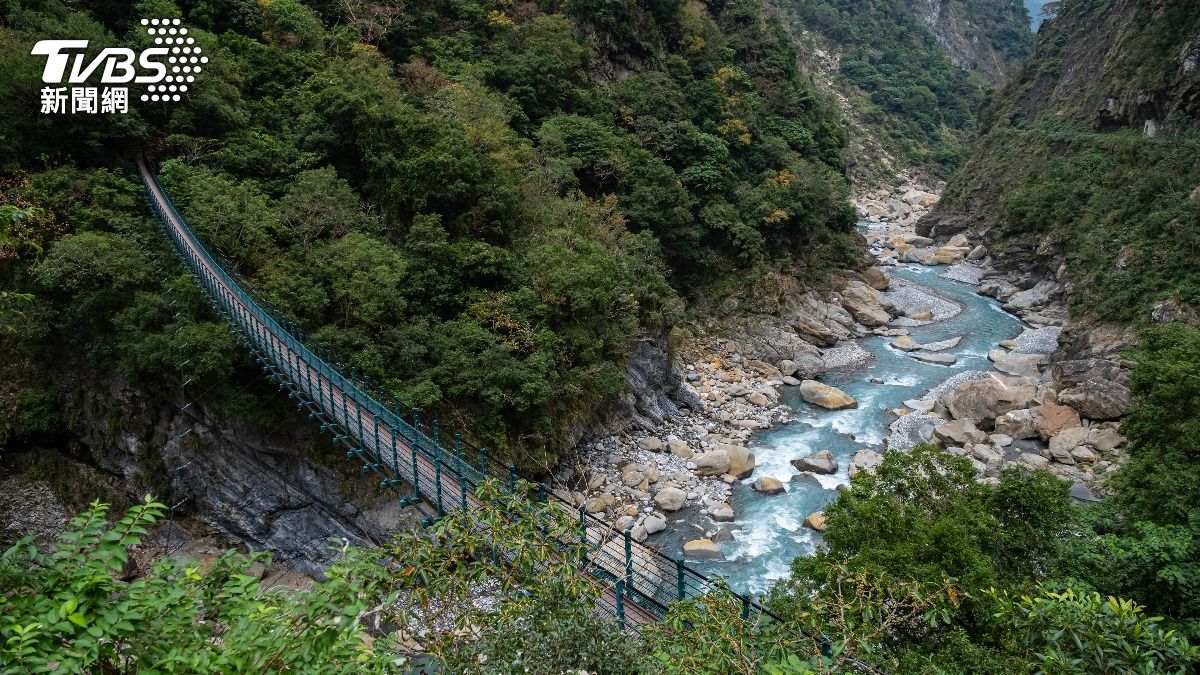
{"x":185,"y":59}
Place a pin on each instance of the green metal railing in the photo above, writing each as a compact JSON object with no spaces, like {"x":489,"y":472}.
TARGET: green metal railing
{"x":407,"y":452}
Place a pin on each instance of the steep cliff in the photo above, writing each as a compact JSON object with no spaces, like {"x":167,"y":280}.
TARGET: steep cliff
{"x":910,"y":74}
{"x":1086,"y":184}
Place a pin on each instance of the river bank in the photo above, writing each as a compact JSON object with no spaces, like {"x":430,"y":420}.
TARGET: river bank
{"x":919,"y":354}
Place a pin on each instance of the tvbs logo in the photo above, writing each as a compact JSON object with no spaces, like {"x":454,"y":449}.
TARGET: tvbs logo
{"x":166,"y":69}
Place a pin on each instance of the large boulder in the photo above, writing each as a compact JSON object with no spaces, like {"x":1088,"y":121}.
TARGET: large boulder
{"x":1018,"y":424}
{"x":670,"y":499}
{"x":825,"y":396}
{"x":1067,"y":440}
{"x":651,"y":443}
{"x":1053,"y":418}
{"x":876,"y":278}
{"x":815,"y":521}
{"x":1021,"y":365}
{"x":982,"y":401}
{"x":767,"y":485}
{"x":1098,"y":399}
{"x":906,"y":343}
{"x":958,"y":433}
{"x":741,"y":461}
{"x":712,"y":463}
{"x":680,"y":448}
{"x":859,"y":300}
{"x":822,"y":462}
{"x":722,"y":513}
{"x":1104,"y":439}
{"x":702,"y":549}
{"x":932,"y":357}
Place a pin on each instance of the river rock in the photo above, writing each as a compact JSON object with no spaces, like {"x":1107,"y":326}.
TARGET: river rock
{"x":712,"y":463}
{"x":1098,"y":399}
{"x":787,"y":367}
{"x":876,"y":278}
{"x":722,"y":513}
{"x":599,"y":503}
{"x":767,"y":485}
{"x":865,"y":460}
{"x":858,"y":299}
{"x":1000,"y":440}
{"x":638,"y":533}
{"x":1018,"y":424}
{"x":1021,"y":365}
{"x":1104,"y":439}
{"x":791,"y":381}
{"x":923,"y":315}
{"x":702,"y":549}
{"x":1033,"y":461}
{"x":950,"y":255}
{"x":1067,"y":440}
{"x":632,"y":478}
{"x":815,"y":521}
{"x":1053,"y":418}
{"x":825,"y":396}
{"x":906,"y":343}
{"x":651,"y":443}
{"x":822,"y":462}
{"x":939,"y":359}
{"x":741,"y":461}
{"x":958,"y":433}
{"x":1097,"y":388}
{"x":977,"y":253}
{"x":670,"y":499}
{"x":986,"y":399}
{"x":1084,"y":454}
{"x":680,"y":448}
{"x":920,"y":405}
{"x":654,"y":523}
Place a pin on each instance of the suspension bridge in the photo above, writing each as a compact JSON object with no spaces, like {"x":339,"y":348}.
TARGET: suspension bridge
{"x":407,"y":452}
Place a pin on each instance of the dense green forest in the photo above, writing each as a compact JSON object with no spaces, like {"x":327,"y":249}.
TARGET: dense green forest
{"x":914,"y":95}
{"x":454,"y":198}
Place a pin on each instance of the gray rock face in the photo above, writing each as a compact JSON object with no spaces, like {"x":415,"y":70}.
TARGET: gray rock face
{"x":248,"y":484}
{"x":654,"y":391}
{"x":822,"y":462}
{"x":1018,"y":424}
{"x":1098,"y":399}
{"x":858,"y":299}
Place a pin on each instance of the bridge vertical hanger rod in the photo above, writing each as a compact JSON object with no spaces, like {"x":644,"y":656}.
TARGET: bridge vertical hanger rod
{"x":621,"y":604}
{"x":680,"y":571}
{"x":512,"y":478}
{"x":583,"y":533}
{"x":437,"y":477}
{"x":483,"y":462}
{"x":628,"y":560}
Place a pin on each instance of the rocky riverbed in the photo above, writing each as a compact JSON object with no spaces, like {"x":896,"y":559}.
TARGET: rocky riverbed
{"x":698,"y":481}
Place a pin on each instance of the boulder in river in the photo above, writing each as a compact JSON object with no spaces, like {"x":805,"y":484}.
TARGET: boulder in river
{"x":1018,"y":424}
{"x":939,"y":359}
{"x":702,"y":549}
{"x":1053,"y":418}
{"x":741,"y":461}
{"x":654,"y":523}
{"x":906,"y":343}
{"x":825,"y":396}
{"x":859,"y":300}
{"x":923,"y":315}
{"x":815,"y":521}
{"x":767,"y":485}
{"x":822,"y":462}
{"x":876,"y":278}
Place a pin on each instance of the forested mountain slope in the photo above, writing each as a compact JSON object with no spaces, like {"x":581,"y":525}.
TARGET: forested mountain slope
{"x":481,"y":206}
{"x":1089,"y":168}
{"x":913,"y":73}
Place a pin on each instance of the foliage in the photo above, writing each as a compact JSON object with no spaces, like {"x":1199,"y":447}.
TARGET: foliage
{"x":916,"y":97}
{"x":1071,"y":631}
{"x":1161,"y":482}
{"x":68,"y":611}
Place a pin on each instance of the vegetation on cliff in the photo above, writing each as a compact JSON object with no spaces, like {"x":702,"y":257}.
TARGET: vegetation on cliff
{"x":478,"y":205}
{"x":894,"y":65}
